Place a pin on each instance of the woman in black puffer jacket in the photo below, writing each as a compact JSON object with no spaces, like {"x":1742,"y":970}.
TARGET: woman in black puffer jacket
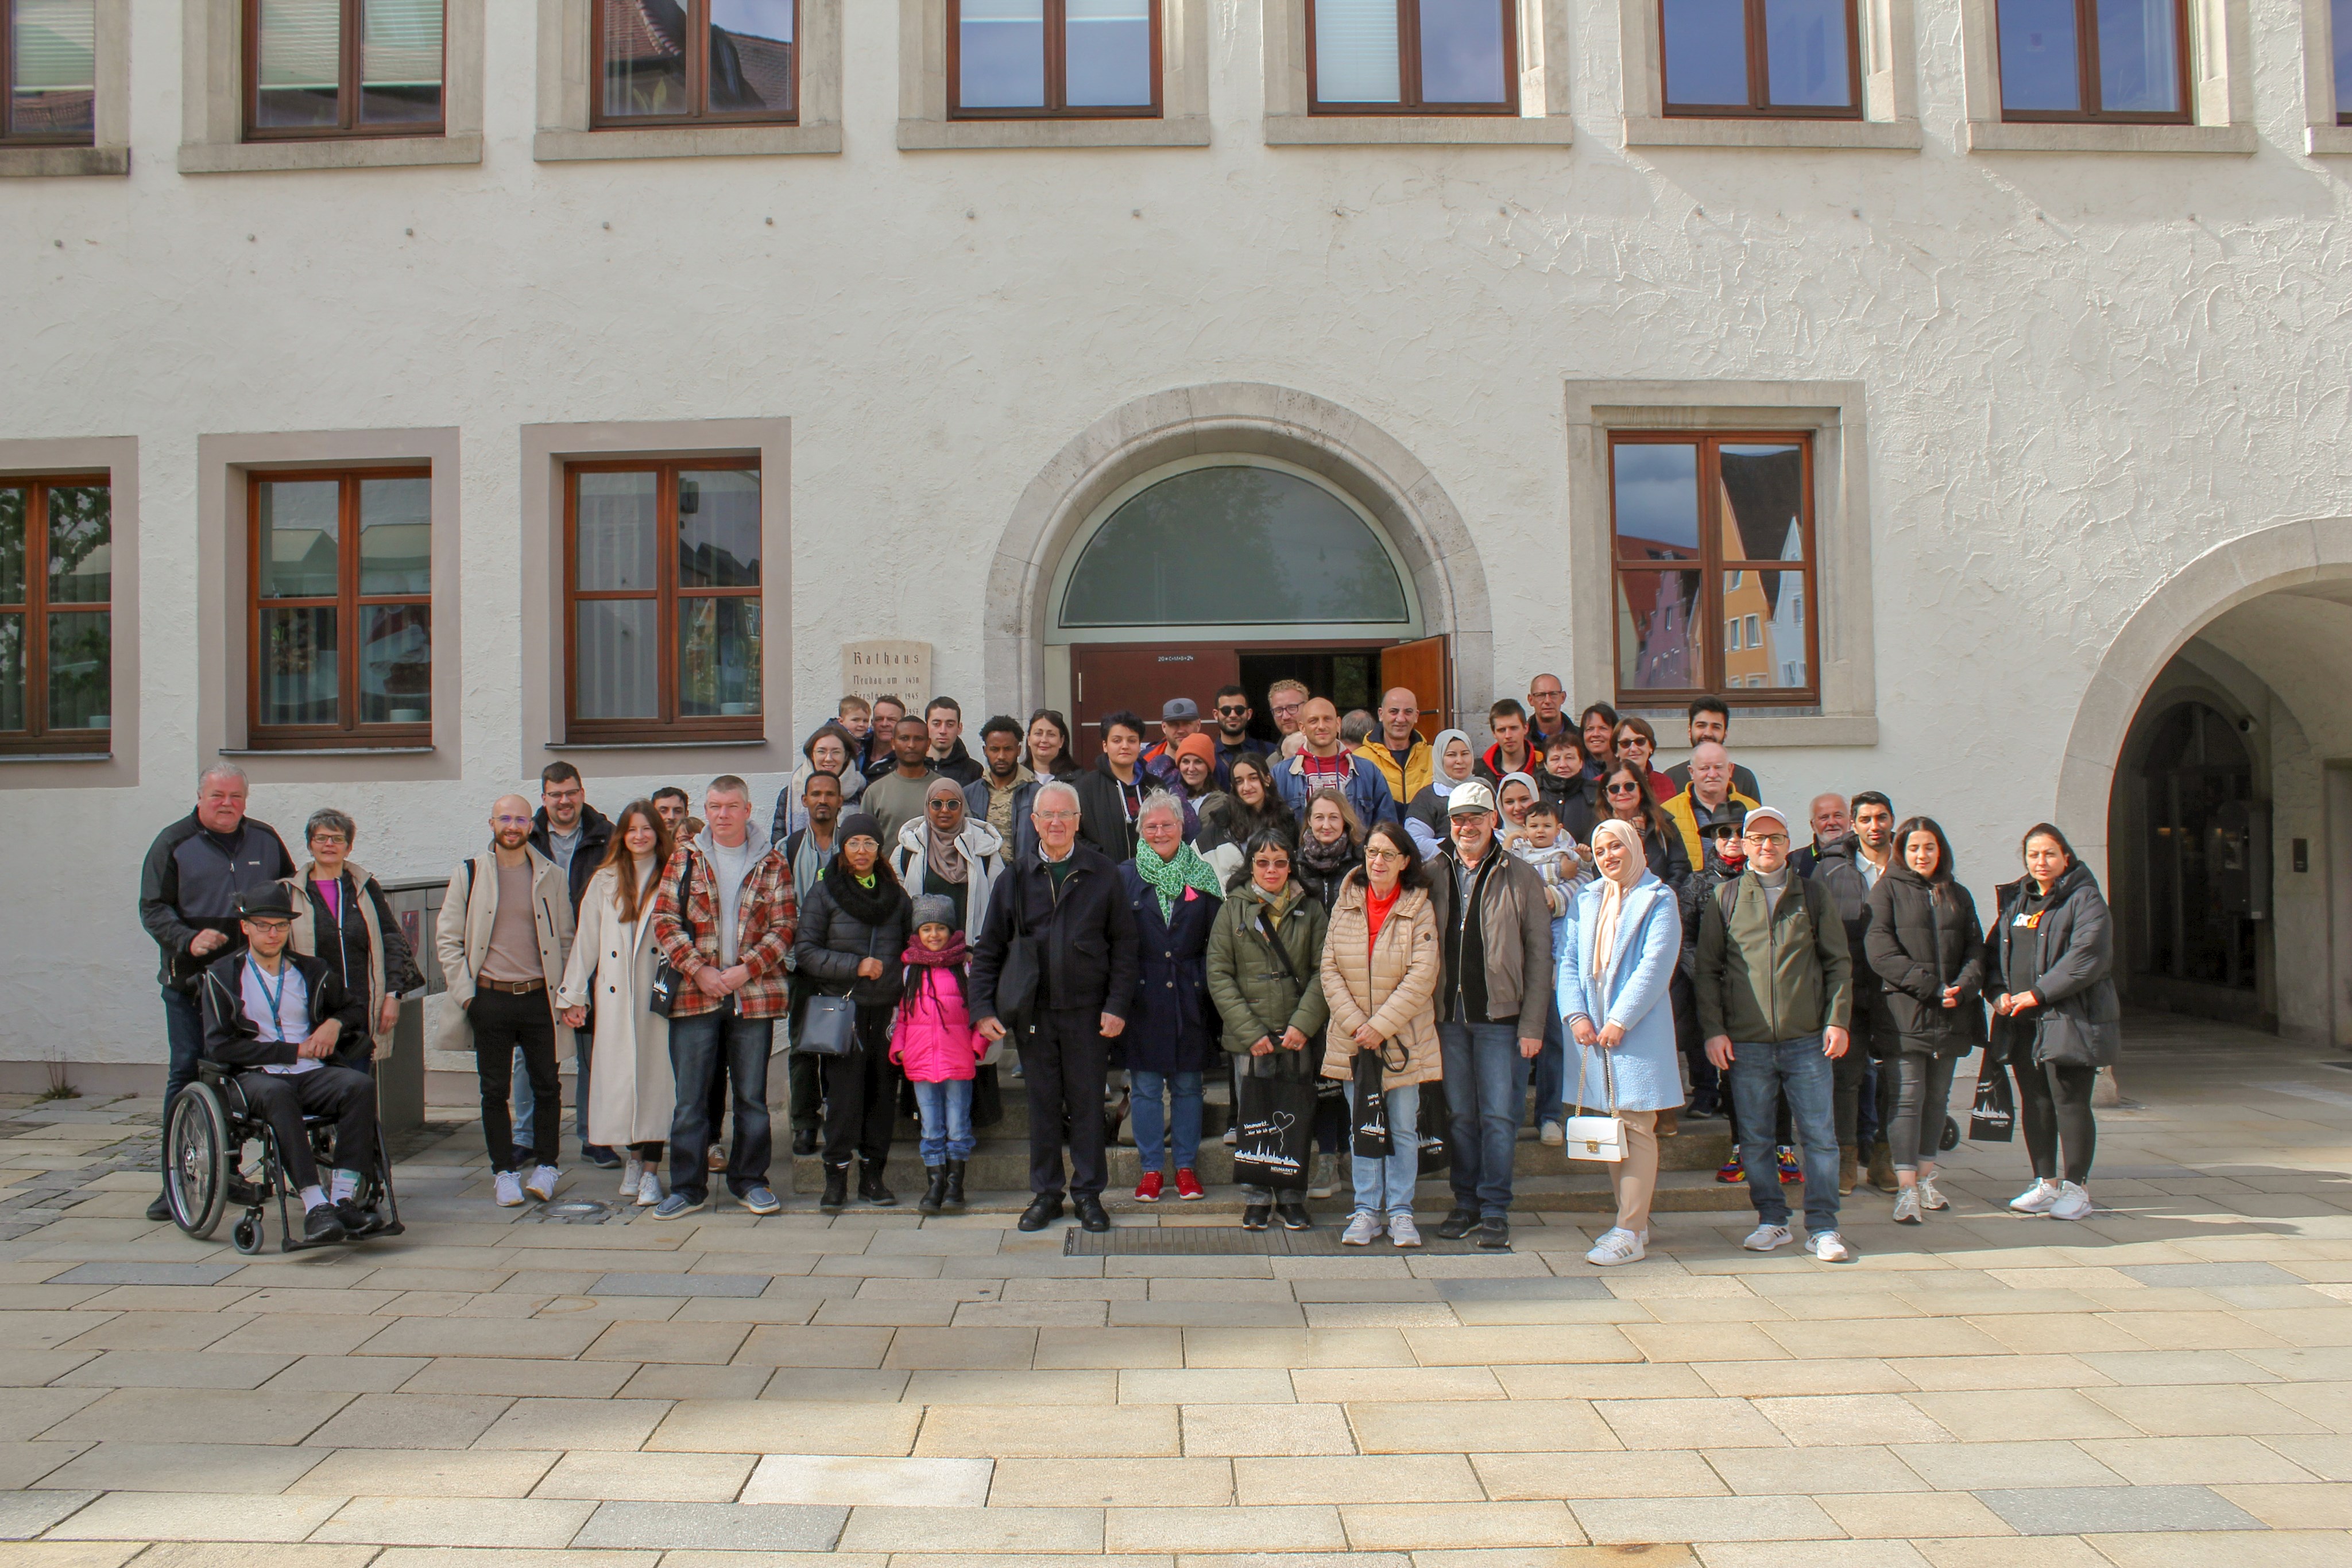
{"x":1925,"y":941}
{"x":853,"y":930}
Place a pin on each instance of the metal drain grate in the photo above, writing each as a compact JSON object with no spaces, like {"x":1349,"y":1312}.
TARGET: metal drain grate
{"x":1233,"y":1241}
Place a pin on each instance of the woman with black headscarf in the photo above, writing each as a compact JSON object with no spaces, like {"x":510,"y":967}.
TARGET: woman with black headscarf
{"x":852,"y":927}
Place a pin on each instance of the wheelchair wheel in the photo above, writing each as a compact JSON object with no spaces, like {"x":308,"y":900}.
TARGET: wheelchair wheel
{"x":246,"y":1234}
{"x":197,"y":1154}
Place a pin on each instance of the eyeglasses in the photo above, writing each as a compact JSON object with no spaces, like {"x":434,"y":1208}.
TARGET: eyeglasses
{"x":1055,"y":816}
{"x":334,"y":841}
{"x":512,"y":821}
{"x":271,"y":927}
{"x":1624,"y":788}
{"x":1768,"y":839}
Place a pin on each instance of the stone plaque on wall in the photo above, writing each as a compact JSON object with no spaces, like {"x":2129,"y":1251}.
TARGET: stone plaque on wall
{"x":887,"y":667}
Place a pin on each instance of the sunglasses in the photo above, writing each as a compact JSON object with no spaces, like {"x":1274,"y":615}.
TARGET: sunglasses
{"x":1223,"y":712}
{"x":1624,"y":788}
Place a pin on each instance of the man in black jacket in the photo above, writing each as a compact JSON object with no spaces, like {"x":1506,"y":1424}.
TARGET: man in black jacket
{"x":943,"y":722}
{"x":187,"y":901}
{"x":572,"y":833}
{"x":1848,"y":864}
{"x":1111,"y":792}
{"x":281,"y":1016}
{"x":1068,"y":906}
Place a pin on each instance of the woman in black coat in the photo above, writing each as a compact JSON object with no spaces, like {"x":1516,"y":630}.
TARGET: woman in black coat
{"x":1171,"y":1031}
{"x":853,"y":929}
{"x":1330,"y":846}
{"x":1925,"y":941}
{"x":2053,"y":958}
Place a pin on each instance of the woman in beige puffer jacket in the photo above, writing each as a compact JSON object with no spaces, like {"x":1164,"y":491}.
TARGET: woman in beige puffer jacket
{"x":1381,"y":986}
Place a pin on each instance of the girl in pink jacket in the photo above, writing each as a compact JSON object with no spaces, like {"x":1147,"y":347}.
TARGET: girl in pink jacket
{"x":934,"y":1043}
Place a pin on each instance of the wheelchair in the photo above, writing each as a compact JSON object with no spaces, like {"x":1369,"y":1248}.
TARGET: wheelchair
{"x":205,"y":1130}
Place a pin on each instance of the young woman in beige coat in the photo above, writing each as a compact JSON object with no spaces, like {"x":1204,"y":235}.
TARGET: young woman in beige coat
{"x":1380,"y":976}
{"x":631,"y":1092}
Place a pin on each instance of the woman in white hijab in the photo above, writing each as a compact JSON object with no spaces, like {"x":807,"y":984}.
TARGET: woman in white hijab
{"x":1626,"y":938}
{"x":1425,"y":817}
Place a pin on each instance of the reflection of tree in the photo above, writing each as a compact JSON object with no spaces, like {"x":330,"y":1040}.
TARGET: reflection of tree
{"x":80,"y":526}
{"x":80,"y":672}
{"x":12,"y":672}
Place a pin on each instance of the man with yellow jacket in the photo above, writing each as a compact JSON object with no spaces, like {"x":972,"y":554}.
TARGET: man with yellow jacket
{"x":1398,"y":750}
{"x":1710,"y":799}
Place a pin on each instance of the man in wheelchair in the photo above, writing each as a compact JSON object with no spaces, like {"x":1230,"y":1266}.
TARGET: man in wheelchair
{"x":276,"y":1017}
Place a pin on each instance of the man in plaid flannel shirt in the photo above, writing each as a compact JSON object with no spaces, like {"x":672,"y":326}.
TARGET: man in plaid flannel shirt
{"x":726,"y":935}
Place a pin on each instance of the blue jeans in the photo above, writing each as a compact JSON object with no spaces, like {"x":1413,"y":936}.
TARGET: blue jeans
{"x":1385,"y":1186}
{"x":1552,"y":1073}
{"x":1486,"y":1088}
{"x":946,"y":1110}
{"x":1153,"y":1129}
{"x":521,"y":1108}
{"x":1796,"y":1070}
{"x":696,"y":1047}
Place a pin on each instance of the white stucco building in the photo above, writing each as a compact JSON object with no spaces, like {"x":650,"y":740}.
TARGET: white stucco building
{"x":379,"y":372}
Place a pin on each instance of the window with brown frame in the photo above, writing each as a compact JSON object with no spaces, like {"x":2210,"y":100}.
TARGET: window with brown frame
{"x":1793,"y":59}
{"x":697,"y":62}
{"x":317,"y":69}
{"x":1413,"y":57}
{"x":1031,"y":60}
{"x":662,"y":622}
{"x":49,"y":60}
{"x":2339,"y":19}
{"x":2110,"y":60}
{"x":341,"y":602}
{"x":1714,"y":531}
{"x":57,"y":622}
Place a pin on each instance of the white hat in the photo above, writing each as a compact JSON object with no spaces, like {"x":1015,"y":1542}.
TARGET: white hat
{"x":1760,"y":813}
{"x":1470,"y":795}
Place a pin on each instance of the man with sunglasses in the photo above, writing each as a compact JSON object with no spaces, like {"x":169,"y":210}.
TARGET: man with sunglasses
{"x":1775,"y":990}
{"x":1232,"y":735}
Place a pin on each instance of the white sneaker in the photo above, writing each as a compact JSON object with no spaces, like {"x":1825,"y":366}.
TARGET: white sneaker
{"x":1829,"y":1247}
{"x":1906,"y":1205}
{"x":1362,"y":1228}
{"x":1327,"y":1177}
{"x":510,"y":1190}
{"x":2073,"y":1202}
{"x":1616,"y":1246}
{"x":1928,"y":1197}
{"x":1404,"y":1231}
{"x":1555,"y":1134}
{"x":2035,"y":1200}
{"x":633,"y":1171}
{"x":542,"y":1185}
{"x":1765,"y":1238}
{"x":649,"y":1190}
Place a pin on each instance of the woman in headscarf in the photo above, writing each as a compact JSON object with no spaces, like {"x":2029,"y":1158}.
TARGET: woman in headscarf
{"x":1513,"y":795}
{"x":1170,"y":1029}
{"x":853,"y":929}
{"x":950,"y":852}
{"x":1425,"y":818}
{"x":1625,"y":938}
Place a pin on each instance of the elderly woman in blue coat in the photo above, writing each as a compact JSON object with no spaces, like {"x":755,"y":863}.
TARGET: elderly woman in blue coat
{"x":1614,"y":969}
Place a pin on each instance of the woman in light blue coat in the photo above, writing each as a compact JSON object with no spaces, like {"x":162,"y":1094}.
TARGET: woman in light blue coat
{"x":1626,"y":938}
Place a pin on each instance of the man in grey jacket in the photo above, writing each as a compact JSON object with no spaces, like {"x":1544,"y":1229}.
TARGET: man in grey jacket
{"x":1495,"y":982}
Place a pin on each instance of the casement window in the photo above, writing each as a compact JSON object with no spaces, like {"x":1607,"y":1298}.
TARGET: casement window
{"x":662,"y":611}
{"x":48,"y":57}
{"x":2122,"y":61}
{"x":1712,"y":531}
{"x":1087,"y":59}
{"x":697,"y":62}
{"x":1724,"y":58}
{"x":57,"y":585}
{"x":1413,"y":57}
{"x":325,"y":68}
{"x":342,"y":609}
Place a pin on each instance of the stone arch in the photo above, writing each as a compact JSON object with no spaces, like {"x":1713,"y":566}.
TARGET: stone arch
{"x":1242,"y":419}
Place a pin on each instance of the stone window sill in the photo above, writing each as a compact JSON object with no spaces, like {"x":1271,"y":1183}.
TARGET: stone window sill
{"x":2331,"y":141}
{"x":1755,"y":729}
{"x":685,"y":142}
{"x":2015,"y":136}
{"x":1424,"y":129}
{"x":354,"y":152}
{"x":954,"y":135}
{"x":748,"y":743}
{"x":62,"y":162}
{"x":6,"y":757}
{"x":1870,"y":135}
{"x":296,"y":752}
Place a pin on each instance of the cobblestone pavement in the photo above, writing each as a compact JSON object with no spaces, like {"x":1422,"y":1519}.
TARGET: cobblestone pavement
{"x":2165,"y":1385}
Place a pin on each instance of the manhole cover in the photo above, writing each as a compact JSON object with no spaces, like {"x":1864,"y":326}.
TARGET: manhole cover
{"x":573,"y":1211}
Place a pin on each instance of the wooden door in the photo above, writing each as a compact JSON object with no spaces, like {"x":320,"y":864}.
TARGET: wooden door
{"x":1106,"y":677}
{"x":1425,"y":669}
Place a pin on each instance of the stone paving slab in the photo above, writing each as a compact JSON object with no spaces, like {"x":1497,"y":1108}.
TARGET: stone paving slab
{"x":2090,"y":1510}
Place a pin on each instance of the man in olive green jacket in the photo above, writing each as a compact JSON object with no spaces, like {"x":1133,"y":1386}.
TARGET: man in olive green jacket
{"x":1775,"y":990}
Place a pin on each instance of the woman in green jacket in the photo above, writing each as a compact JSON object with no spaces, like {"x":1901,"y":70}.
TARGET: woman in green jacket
{"x":1265,"y":957}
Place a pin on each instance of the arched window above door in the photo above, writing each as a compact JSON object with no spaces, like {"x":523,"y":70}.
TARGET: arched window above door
{"x":1234,"y":545}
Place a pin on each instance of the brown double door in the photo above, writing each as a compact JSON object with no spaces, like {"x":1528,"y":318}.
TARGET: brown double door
{"x":1140,"y":677}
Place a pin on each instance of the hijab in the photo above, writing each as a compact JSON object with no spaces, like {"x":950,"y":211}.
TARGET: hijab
{"x":1437,"y":776}
{"x":1614,"y":886}
{"x":942,"y":853}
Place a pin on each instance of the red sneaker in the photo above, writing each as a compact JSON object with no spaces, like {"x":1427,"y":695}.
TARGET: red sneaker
{"x":1188,"y":1186}
{"x":1148,"y":1189}
{"x":1731,"y":1171}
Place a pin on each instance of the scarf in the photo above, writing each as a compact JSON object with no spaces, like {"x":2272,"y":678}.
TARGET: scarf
{"x":872,"y":900}
{"x":1170,"y":878}
{"x":953,"y":953}
{"x":1437,"y":776}
{"x":942,"y":854}
{"x":1614,"y":886}
{"x":1324,"y":859}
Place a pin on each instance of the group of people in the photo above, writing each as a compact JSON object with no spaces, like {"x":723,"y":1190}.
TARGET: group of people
{"x":1421,"y":930}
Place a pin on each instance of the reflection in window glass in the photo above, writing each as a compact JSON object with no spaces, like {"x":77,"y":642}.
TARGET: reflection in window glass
{"x":299,"y":522}
{"x":1287,"y":551}
{"x":645,"y":59}
{"x":81,"y":670}
{"x":751,"y":59}
{"x":2038,"y":63}
{"x":717,"y":528}
{"x":400,"y":62}
{"x":1109,"y":53}
{"x":1657,"y":501}
{"x":1462,"y":52}
{"x":81,"y":545}
{"x":12,"y":671}
{"x":396,"y":672}
{"x":1001,"y":54}
{"x":301,"y":681}
{"x":1706,"y":44}
{"x":1764,"y":642}
{"x":1763,"y":503}
{"x":2139,"y":57}
{"x":1656,"y":646}
{"x":14,"y":512}
{"x":718,"y":657}
{"x":299,"y":58}
{"x":396,"y":536}
{"x":617,"y":659}
{"x":53,"y":58}
{"x":2340,"y":18}
{"x":1356,"y":57}
{"x":1806,"y":56}
{"x":55,"y":633}
{"x":617,"y":532}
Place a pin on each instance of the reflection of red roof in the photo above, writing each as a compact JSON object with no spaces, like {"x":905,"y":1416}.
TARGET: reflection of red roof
{"x":767,"y":66}
{"x":637,"y":29}
{"x":1632,"y":546}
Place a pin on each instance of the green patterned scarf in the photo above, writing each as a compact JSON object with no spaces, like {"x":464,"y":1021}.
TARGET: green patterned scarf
{"x":1170,"y":878}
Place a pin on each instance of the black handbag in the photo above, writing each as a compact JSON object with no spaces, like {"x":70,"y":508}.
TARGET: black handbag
{"x":668,"y":984}
{"x":1017,"y":978}
{"x":829,"y":1027}
{"x":1372,"y":1138}
{"x":1277,"y":1133}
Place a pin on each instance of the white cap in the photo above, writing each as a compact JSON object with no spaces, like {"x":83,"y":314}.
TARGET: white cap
{"x":1760,"y":813}
{"x":1470,"y":795}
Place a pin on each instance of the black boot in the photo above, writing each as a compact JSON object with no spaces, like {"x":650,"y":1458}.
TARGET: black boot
{"x":804,"y":1140}
{"x":935,"y":1192}
{"x":836,"y":1189}
{"x":870,"y":1188}
{"x":953,"y":1197}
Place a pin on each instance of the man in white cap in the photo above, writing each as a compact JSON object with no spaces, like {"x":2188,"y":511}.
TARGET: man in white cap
{"x":1775,"y":991}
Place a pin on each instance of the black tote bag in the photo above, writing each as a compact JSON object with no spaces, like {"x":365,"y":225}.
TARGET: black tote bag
{"x":1371,"y":1137}
{"x":1277,"y":1133}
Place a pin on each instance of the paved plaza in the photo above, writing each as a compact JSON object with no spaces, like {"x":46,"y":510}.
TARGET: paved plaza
{"x":2165,"y":1386}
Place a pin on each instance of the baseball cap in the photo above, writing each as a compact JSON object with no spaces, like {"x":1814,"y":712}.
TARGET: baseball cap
{"x":1470,"y":795}
{"x":1765,"y":813}
{"x":1179,"y":710}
